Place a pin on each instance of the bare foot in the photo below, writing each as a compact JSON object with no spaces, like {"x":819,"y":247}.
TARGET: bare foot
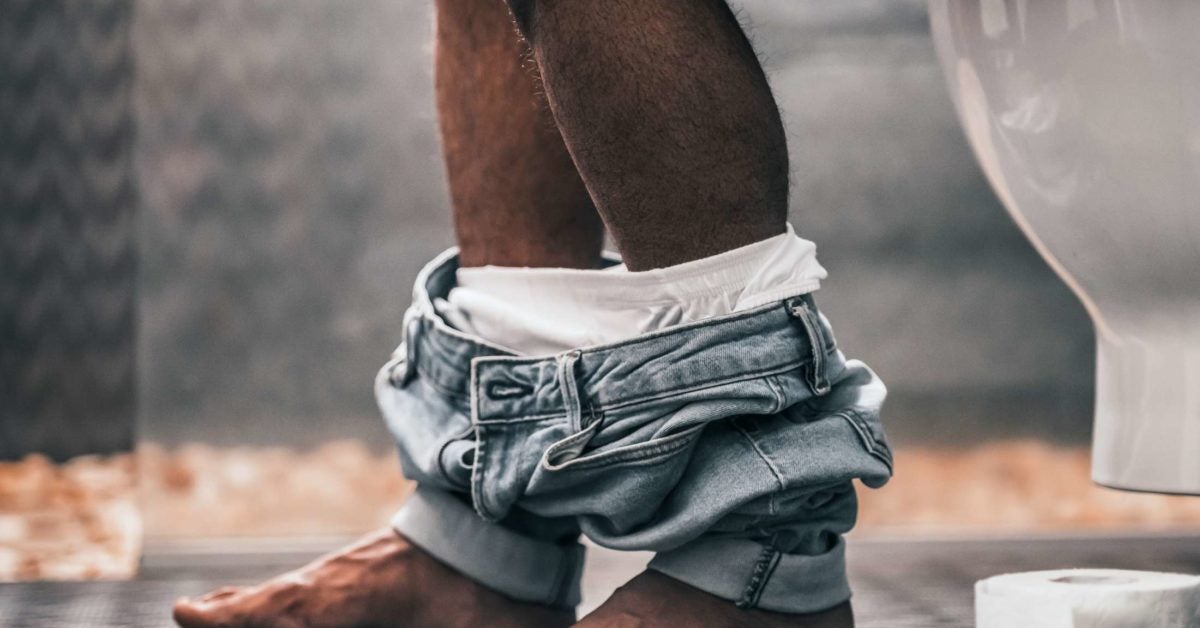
{"x":652,"y":599}
{"x":381,"y":580}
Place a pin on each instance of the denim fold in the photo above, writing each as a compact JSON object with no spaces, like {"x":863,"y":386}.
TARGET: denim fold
{"x":521,"y":567}
{"x":727,"y":445}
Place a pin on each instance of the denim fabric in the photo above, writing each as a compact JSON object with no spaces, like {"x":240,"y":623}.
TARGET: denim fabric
{"x":727,"y":445}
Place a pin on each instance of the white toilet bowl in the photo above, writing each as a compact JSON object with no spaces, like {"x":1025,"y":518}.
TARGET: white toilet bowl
{"x":1085,"y":116}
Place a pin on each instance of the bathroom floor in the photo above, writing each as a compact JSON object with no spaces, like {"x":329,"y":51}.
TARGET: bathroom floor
{"x":898,"y":583}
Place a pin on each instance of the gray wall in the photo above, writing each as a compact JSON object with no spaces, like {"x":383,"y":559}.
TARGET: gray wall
{"x":291,"y":188}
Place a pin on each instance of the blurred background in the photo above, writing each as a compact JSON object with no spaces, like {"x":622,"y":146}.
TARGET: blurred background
{"x":211,"y":214}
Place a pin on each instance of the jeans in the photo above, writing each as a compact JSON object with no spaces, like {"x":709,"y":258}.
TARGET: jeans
{"x":727,"y":446}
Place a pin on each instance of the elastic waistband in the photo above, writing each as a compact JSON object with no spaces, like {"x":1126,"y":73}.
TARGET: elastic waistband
{"x":773,"y":338}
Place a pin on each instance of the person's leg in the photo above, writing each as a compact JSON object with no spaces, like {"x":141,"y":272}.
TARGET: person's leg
{"x":517,"y":201}
{"x":669,"y":118}
{"x":380,"y":580}
{"x":663,"y":601}
{"x":516,"y":196}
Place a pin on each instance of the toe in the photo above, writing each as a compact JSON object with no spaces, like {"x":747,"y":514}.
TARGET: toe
{"x":191,"y":614}
{"x":212,"y":610}
{"x":218,"y":594}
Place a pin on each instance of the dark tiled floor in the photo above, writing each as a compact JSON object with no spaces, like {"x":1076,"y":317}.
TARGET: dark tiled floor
{"x":898,"y":584}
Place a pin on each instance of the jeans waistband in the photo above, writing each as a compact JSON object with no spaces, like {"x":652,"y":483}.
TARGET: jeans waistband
{"x":773,"y":338}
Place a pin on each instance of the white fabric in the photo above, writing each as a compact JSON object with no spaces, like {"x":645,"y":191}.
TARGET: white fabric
{"x":539,"y":311}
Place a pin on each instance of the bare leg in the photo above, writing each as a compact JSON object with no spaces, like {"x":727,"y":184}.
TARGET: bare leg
{"x":517,"y":201}
{"x":382,"y":580}
{"x":669,"y":118}
{"x":517,"y":198}
{"x":658,"y":600}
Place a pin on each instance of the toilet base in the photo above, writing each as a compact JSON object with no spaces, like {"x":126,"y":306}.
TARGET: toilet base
{"x":1147,"y":428}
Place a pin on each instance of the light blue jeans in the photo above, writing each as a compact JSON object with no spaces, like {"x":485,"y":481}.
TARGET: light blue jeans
{"x":727,"y":446}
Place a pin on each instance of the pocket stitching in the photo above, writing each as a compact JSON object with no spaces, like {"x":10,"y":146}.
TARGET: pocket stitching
{"x":582,"y":436}
{"x":761,"y":454}
{"x":640,"y":452}
{"x":874,"y":447}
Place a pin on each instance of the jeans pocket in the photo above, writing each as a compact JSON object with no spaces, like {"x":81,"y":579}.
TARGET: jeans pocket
{"x":820,"y":449}
{"x":614,"y":489}
{"x":624,"y":468}
{"x":659,"y":426}
{"x":571,"y":453}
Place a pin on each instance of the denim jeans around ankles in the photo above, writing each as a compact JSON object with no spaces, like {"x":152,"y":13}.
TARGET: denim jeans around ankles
{"x":727,"y":446}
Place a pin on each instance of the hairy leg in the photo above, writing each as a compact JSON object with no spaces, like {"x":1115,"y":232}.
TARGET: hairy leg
{"x":517,"y":198}
{"x":670,"y":121}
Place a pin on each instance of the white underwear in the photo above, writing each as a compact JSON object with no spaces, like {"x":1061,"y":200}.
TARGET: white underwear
{"x":539,"y":311}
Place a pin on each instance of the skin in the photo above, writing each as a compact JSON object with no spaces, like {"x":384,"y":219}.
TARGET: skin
{"x":655,"y":118}
{"x":652,"y":599}
{"x":382,"y":580}
{"x":516,"y":196}
{"x":668,"y":116}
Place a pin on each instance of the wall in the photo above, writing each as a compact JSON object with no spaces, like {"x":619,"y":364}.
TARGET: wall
{"x":291,"y":188}
{"x":67,"y":224}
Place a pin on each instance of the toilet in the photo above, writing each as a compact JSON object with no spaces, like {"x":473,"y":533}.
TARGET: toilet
{"x":1085,"y":117}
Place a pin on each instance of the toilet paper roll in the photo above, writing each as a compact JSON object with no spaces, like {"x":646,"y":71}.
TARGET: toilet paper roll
{"x":1088,"y":598}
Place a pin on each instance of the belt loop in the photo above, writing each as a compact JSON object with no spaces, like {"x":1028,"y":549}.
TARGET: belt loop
{"x":803,"y":309}
{"x":570,"y":388}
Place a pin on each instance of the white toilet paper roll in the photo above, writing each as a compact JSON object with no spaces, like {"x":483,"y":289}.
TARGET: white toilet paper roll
{"x":1088,"y":598}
